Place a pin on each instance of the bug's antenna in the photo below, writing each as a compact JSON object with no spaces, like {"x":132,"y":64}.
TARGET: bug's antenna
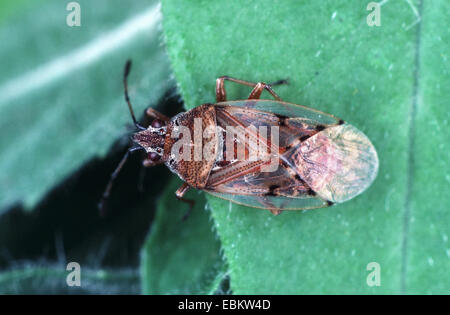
{"x":106,"y":192}
{"x":126,"y":72}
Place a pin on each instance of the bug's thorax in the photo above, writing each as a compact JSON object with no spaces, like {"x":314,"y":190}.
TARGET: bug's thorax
{"x":194,"y":129}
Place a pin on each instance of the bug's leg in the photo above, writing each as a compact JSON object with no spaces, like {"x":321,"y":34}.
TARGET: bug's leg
{"x":154,"y":114}
{"x":107,"y":191}
{"x":276,"y":212}
{"x":269,"y":205}
{"x":147,"y":162}
{"x":180,"y":193}
{"x":105,"y":195}
{"x":279,"y":82}
{"x":257,"y":88}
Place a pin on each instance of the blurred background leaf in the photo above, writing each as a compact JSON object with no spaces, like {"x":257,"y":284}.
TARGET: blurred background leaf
{"x":390,"y":81}
{"x":48,"y":279}
{"x":62,"y":110}
{"x":61,"y":93}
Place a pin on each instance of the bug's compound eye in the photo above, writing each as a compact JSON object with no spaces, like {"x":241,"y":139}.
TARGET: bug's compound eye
{"x":154,"y":156}
{"x":157,"y":123}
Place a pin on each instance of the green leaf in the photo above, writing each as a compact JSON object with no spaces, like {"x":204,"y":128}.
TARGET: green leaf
{"x":61,"y":94}
{"x":181,"y":257}
{"x":51,"y":279}
{"x":427,"y":252}
{"x":9,"y":7}
{"x":390,"y":81}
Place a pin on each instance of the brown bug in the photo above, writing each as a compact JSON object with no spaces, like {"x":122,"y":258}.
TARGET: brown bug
{"x":315,"y":161}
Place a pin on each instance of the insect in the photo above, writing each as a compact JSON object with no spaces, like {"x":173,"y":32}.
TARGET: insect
{"x":315,"y":160}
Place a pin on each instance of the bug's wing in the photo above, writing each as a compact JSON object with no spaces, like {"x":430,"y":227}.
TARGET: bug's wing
{"x":294,"y":122}
{"x":273,"y":202}
{"x":338,"y":163}
{"x":276,"y":190}
{"x":287,"y":110}
{"x":243,"y":182}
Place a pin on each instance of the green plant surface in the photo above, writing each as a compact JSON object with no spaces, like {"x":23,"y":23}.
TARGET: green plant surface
{"x":51,"y":279}
{"x":390,"y":81}
{"x":181,"y":256}
{"x":427,"y":258}
{"x":61,"y":93}
{"x":8,"y":8}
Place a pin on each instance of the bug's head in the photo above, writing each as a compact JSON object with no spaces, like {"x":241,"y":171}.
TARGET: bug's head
{"x":152,"y":139}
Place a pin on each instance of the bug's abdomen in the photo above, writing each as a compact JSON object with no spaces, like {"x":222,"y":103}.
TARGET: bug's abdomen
{"x":338,"y":163}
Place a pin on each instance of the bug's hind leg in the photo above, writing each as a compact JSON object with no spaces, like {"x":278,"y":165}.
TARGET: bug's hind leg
{"x":259,"y":88}
{"x":221,"y":95}
{"x":180,"y":193}
{"x":107,"y":191}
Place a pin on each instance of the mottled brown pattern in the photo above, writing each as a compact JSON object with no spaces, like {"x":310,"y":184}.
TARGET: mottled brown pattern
{"x":290,"y":129}
{"x":195,"y":173}
{"x":338,"y":163}
{"x":319,"y":159}
{"x":280,"y":189}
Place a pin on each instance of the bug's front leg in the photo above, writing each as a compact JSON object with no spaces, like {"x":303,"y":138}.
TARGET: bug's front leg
{"x":147,"y":162}
{"x":180,"y":193}
{"x":221,"y":95}
{"x":154,"y":114}
{"x":261,"y":86}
